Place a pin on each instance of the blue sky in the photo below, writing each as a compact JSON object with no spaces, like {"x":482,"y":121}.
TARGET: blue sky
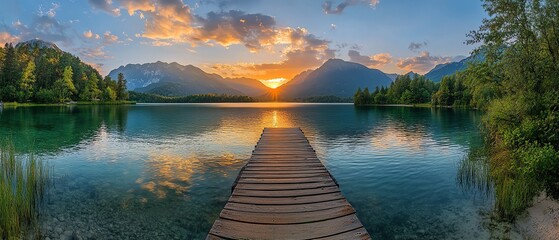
{"x":253,"y":38}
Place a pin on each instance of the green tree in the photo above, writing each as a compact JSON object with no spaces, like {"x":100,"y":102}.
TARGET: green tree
{"x":26,"y":82}
{"x":64,"y":87}
{"x":10,"y":74}
{"x":121,"y":91}
{"x":358,"y":97}
{"x":444,"y":96}
{"x":366,"y":96}
{"x":109,"y":95}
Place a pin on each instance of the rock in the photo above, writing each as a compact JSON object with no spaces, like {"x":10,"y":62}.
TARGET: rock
{"x":68,"y":235}
{"x":77,"y":236}
{"x":58,"y":230}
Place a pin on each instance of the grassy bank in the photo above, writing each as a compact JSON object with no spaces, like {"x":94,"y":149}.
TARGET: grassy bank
{"x":23,"y":183}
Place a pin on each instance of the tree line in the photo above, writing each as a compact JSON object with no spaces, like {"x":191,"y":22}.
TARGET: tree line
{"x":30,"y":73}
{"x":197,"y":98}
{"x":404,"y":90}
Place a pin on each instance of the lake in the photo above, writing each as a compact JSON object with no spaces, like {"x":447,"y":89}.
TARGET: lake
{"x":164,"y":171}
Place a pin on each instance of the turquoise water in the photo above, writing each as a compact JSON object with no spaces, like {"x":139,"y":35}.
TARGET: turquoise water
{"x":165,"y":170}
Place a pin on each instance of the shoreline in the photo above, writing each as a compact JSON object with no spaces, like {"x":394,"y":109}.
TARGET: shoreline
{"x":541,"y":220}
{"x":16,"y":104}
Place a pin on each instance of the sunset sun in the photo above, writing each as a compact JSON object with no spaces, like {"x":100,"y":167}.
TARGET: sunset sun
{"x":274,"y":83}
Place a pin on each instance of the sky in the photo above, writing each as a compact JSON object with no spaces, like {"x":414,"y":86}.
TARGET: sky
{"x":261,"y":39}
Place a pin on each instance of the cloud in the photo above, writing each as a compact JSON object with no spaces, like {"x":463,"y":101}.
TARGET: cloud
{"x":417,"y":46}
{"x":45,"y":27}
{"x":137,"y":5}
{"x":51,"y":12}
{"x":303,"y":51}
{"x":422,"y":63}
{"x":376,"y":60}
{"x":170,"y":20}
{"x":109,"y":38}
{"x":90,"y":34}
{"x":333,"y":26}
{"x":223,"y":4}
{"x":6,"y":37}
{"x":95,"y":54}
{"x":105,"y":5}
{"x":327,"y":5}
{"x":174,"y":22}
{"x":235,"y":27}
{"x":158,"y":43}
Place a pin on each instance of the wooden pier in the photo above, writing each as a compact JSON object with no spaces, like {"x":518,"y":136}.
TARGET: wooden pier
{"x":285,"y":192}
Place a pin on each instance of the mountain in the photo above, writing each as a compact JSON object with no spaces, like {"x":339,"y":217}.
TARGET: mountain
{"x":392,"y":76}
{"x":173,"y":79}
{"x":248,"y":86}
{"x":438,"y":72}
{"x":412,"y":74}
{"x":37,"y":43}
{"x":335,"y":77}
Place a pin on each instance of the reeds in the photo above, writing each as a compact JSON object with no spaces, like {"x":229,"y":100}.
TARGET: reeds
{"x":23,"y":183}
{"x":473,"y":172}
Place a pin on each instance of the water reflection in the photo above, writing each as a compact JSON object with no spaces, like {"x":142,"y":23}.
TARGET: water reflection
{"x":156,"y":171}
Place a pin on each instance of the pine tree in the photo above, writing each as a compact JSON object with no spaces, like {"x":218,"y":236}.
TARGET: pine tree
{"x":121,"y":92}
{"x":358,"y":97}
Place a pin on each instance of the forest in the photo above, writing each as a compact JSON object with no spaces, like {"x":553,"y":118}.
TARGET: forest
{"x":31,"y":72}
{"x":516,"y":87}
{"x":196,"y":98}
{"x":404,"y":90}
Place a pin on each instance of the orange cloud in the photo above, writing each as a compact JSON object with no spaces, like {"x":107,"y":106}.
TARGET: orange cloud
{"x":303,"y":51}
{"x":422,"y":63}
{"x":137,"y":5}
{"x":109,"y":38}
{"x":377,"y":60}
{"x":6,"y":37}
{"x":90,"y":34}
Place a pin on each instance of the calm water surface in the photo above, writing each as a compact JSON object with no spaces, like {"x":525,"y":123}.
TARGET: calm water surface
{"x":154,"y":171}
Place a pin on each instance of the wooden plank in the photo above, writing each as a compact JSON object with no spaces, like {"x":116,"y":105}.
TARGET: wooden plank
{"x":286,"y":200}
{"x":302,"y":171}
{"x":286,"y":193}
{"x":283,"y":180}
{"x":286,"y":208}
{"x":285,"y":175}
{"x":276,"y":164}
{"x":281,"y":157}
{"x":240,"y":230}
{"x":287,"y":186}
{"x":287,"y":218}
{"x":282,"y":168}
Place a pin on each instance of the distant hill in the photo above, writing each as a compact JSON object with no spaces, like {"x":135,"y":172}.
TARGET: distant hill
{"x":248,"y":86}
{"x":438,"y":72}
{"x":392,"y":76}
{"x":335,"y":77}
{"x":173,"y":79}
